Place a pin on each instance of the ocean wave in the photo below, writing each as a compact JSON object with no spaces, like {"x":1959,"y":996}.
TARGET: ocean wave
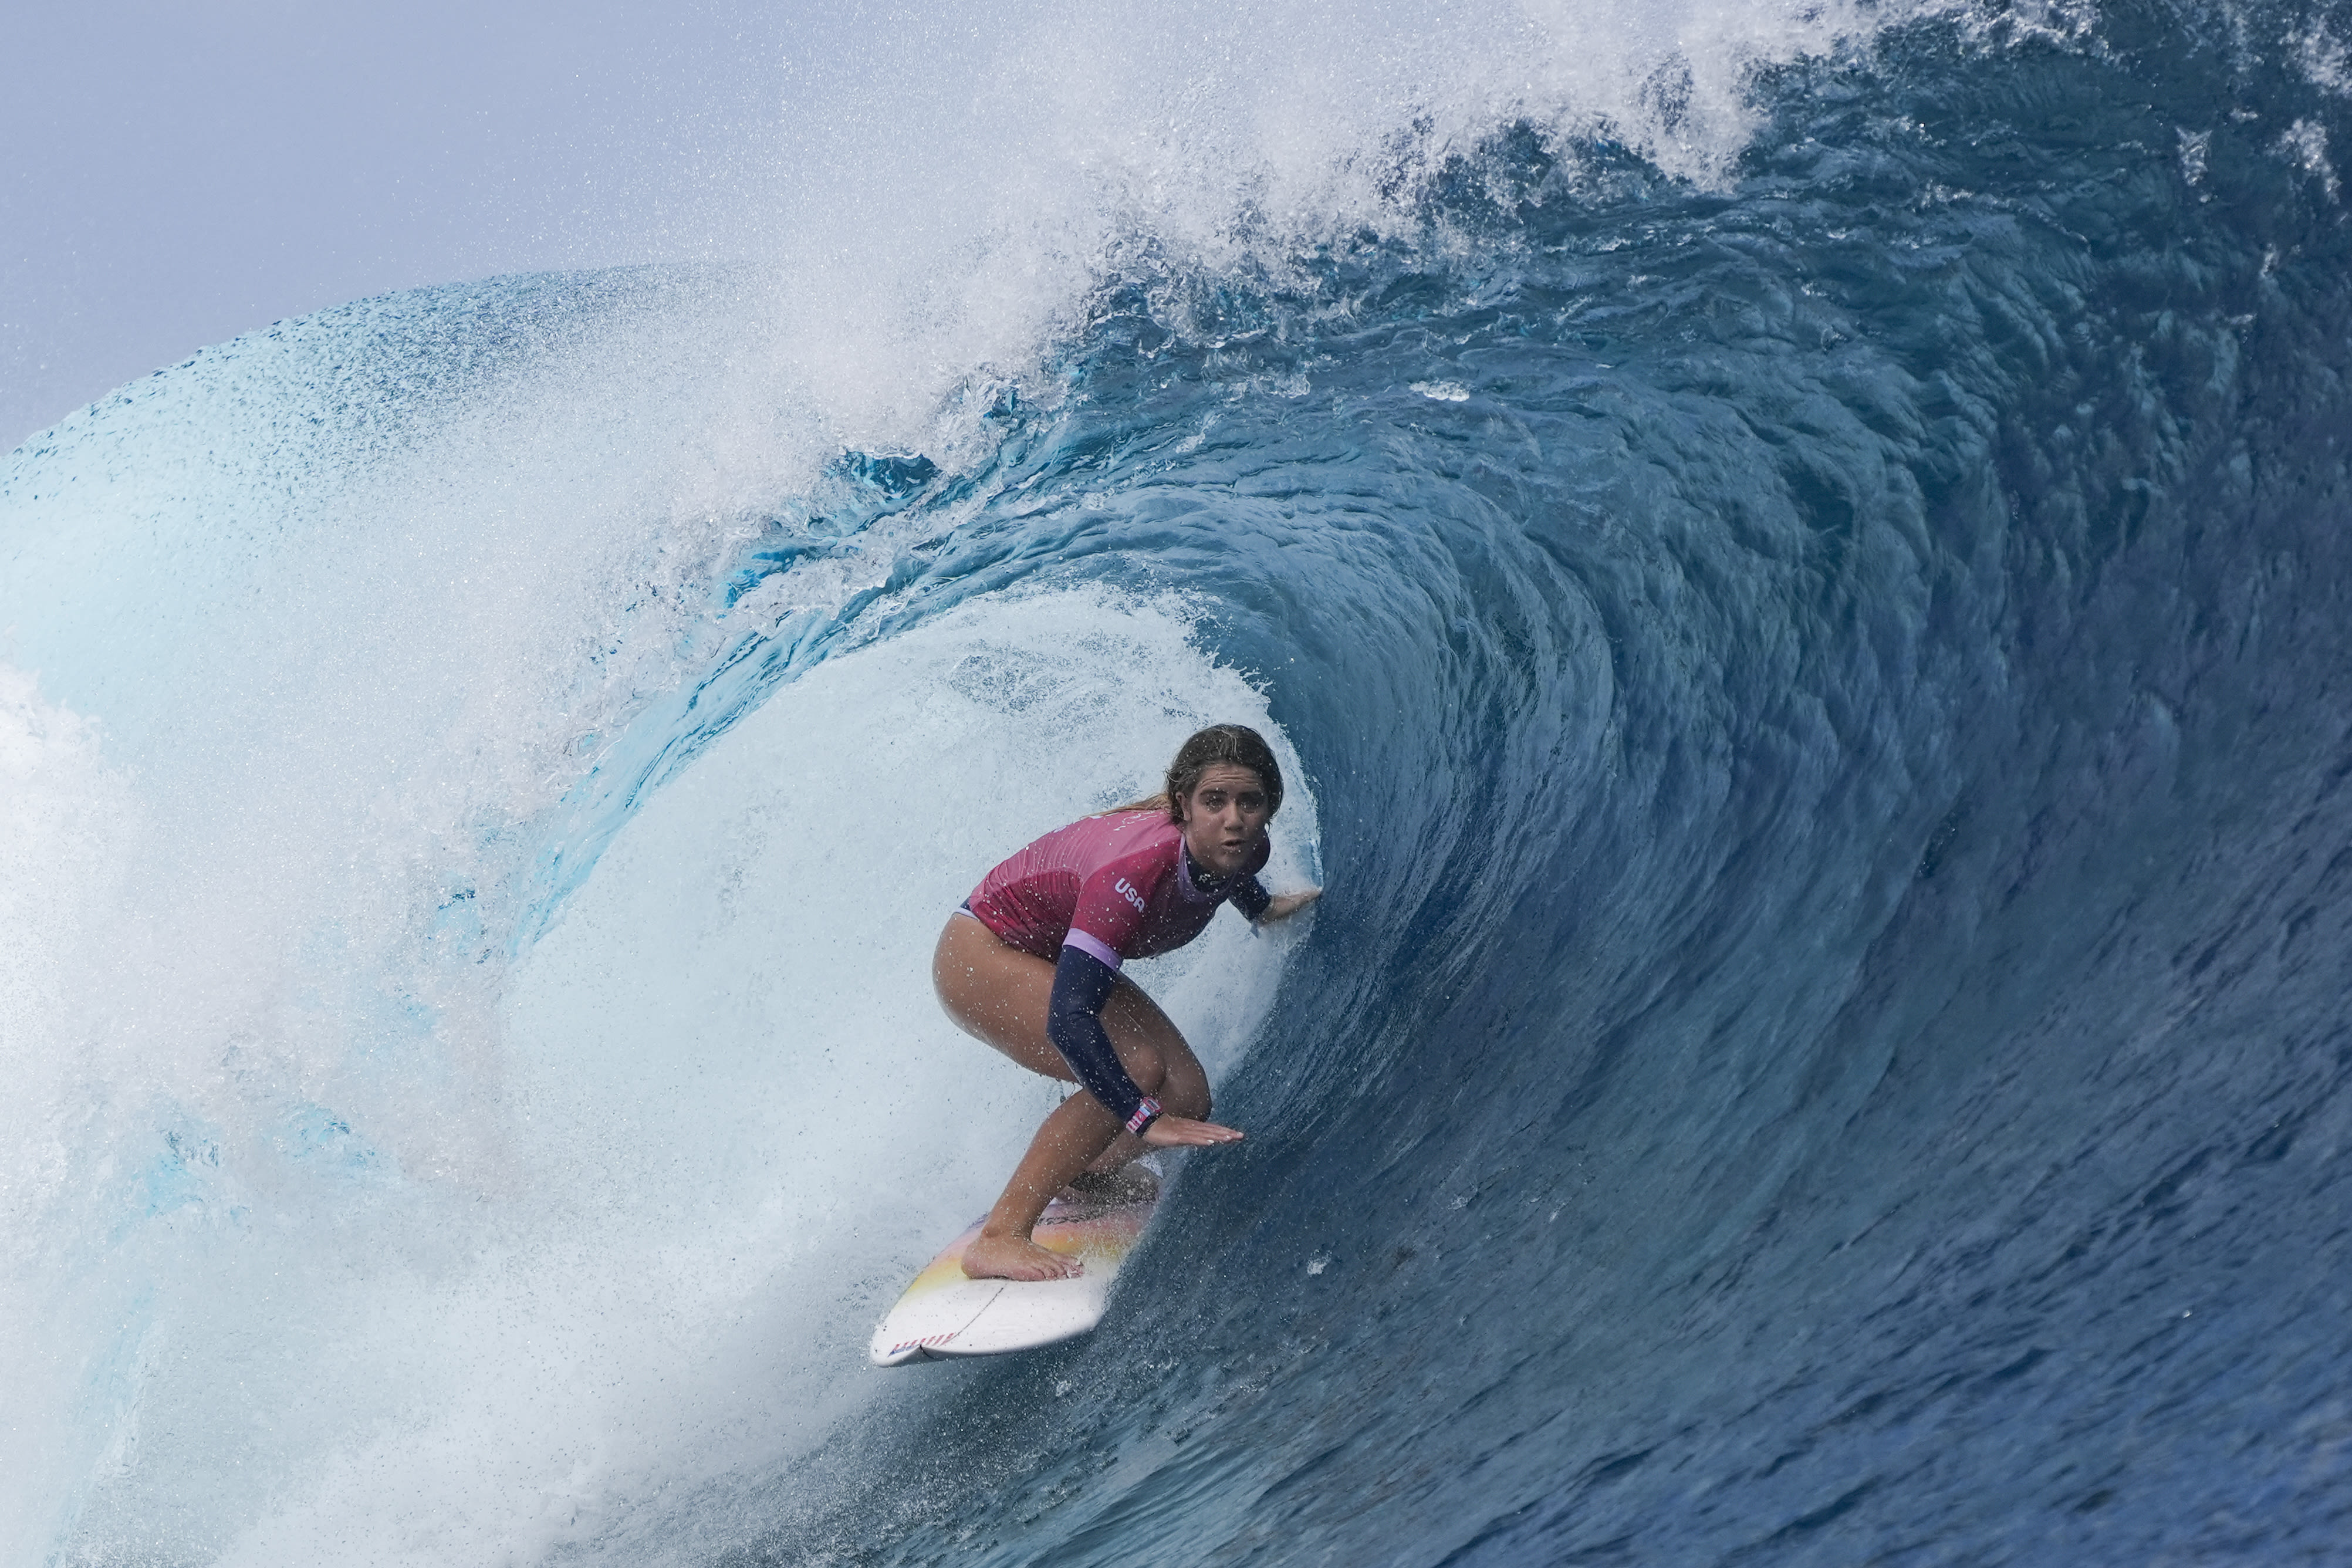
{"x":1803,"y":591}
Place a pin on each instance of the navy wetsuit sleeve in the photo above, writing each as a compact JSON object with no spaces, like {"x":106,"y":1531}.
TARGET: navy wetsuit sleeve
{"x":1082,"y":983}
{"x":1250,"y":896}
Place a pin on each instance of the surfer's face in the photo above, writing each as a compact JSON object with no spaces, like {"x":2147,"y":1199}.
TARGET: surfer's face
{"x":1225,"y":818}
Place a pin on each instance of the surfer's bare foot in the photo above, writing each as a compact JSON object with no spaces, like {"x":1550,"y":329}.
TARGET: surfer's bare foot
{"x":1015,"y":1258}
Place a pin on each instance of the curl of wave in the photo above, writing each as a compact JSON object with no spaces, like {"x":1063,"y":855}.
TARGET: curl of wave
{"x":1799,"y":558}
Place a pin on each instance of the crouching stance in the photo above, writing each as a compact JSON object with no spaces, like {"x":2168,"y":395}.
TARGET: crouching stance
{"x":1031,"y":964}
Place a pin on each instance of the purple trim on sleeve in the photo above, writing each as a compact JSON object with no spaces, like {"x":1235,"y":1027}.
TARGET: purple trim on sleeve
{"x":1094,"y":948}
{"x":1145,"y":1114}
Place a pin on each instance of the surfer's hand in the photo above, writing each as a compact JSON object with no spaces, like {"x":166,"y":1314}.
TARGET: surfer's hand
{"x":1183,"y":1133}
{"x":1285,"y":905}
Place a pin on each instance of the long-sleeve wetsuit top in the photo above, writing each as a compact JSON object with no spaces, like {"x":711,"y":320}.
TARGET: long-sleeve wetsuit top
{"x":1088,"y":898}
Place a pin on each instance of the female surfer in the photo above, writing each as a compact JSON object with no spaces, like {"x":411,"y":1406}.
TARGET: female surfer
{"x":1030,"y":964}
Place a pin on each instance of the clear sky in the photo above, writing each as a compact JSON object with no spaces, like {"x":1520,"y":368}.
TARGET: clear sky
{"x":176,"y":174}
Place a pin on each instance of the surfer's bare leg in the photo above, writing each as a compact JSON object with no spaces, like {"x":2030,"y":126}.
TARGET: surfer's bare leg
{"x":1183,"y":1085}
{"x":1000,"y":995}
{"x":1073,"y":1135}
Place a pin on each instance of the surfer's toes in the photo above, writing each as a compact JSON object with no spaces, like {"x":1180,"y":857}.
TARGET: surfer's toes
{"x":987,"y":1258}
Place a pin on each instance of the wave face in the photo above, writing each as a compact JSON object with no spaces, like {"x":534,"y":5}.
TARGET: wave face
{"x":1803,"y":584}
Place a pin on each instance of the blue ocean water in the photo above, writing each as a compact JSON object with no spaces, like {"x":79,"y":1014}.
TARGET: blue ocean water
{"x":1819,"y":686}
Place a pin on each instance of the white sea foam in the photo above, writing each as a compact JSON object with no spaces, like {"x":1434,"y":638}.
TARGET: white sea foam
{"x":2305,"y":143}
{"x":2323,"y":57}
{"x":633,"y":1240}
{"x":69,"y":826}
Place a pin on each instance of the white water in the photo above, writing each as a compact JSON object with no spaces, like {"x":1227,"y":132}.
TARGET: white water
{"x":625,"y":1226}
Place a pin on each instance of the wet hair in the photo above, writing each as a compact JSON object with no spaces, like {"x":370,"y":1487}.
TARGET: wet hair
{"x":1235,"y":743}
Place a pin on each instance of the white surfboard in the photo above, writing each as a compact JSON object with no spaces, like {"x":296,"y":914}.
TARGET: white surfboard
{"x":945,"y":1314}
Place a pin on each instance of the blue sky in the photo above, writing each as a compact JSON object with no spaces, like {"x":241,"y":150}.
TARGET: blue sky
{"x":176,"y":174}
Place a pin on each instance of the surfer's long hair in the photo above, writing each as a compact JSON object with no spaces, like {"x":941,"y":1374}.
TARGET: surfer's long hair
{"x":1235,"y":743}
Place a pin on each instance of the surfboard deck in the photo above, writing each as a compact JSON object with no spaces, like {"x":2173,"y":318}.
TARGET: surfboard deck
{"x":944,"y":1314}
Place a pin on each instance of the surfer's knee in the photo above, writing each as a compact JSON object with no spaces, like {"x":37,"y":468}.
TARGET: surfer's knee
{"x":1147,"y":1067}
{"x":1184,"y":1087}
{"x":1186,"y":1091}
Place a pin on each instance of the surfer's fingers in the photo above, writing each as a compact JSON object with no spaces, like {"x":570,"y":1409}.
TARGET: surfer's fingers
{"x":1172,"y":1131}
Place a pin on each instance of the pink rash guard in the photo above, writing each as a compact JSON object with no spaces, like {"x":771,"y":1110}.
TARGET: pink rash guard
{"x":1087,"y":898}
{"x":1114,"y":887}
